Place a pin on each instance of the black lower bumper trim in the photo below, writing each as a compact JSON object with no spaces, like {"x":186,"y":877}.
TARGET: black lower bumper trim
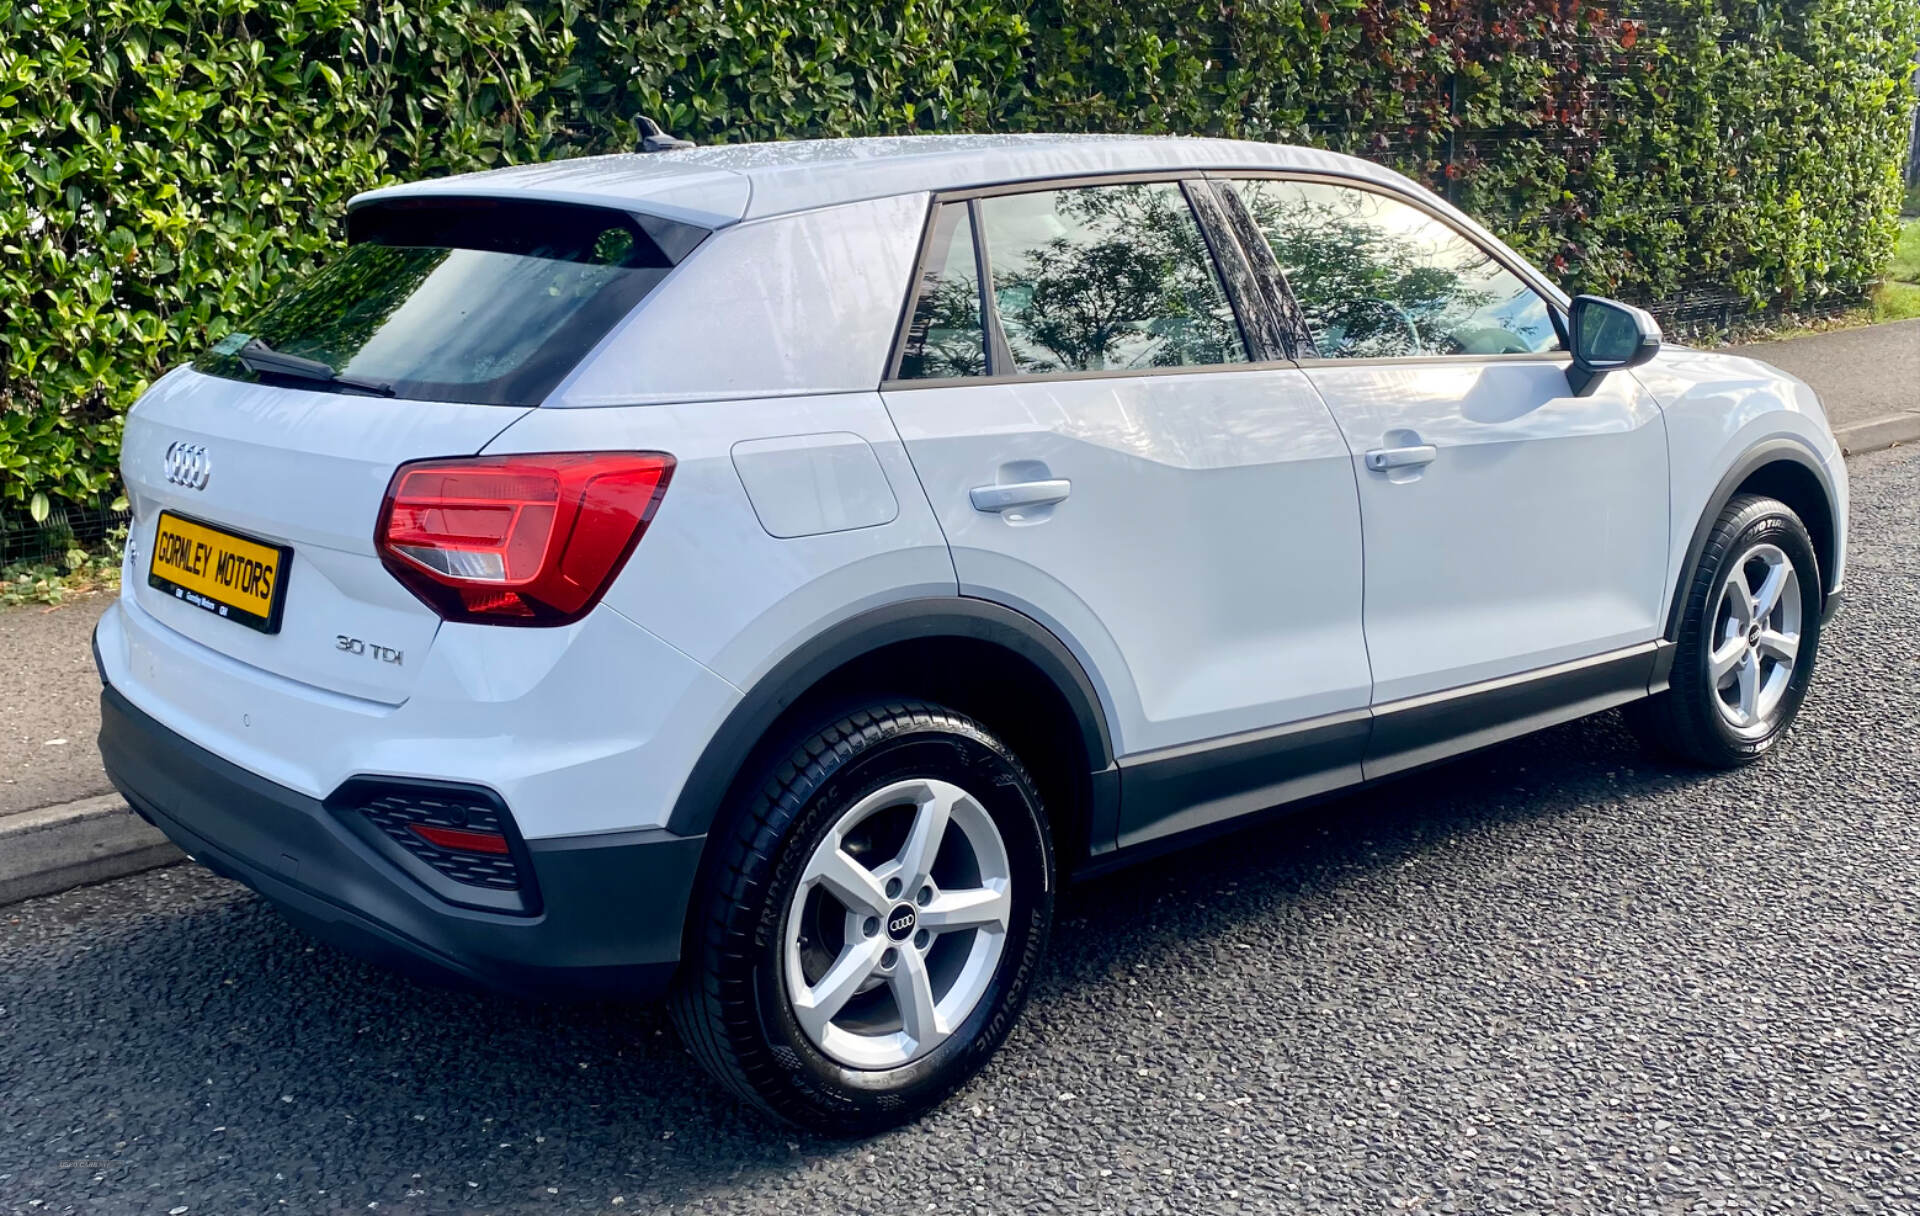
{"x":614,"y":904}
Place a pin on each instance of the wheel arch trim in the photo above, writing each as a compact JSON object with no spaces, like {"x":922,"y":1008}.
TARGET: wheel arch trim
{"x":1751,"y":461}
{"x":713,"y":775}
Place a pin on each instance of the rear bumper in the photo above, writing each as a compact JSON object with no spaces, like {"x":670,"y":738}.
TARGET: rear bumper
{"x":612,"y":905}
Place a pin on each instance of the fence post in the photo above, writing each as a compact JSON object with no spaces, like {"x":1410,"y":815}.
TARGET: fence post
{"x":1913,"y":151}
{"x":1913,"y":140}
{"x":1451,"y":174}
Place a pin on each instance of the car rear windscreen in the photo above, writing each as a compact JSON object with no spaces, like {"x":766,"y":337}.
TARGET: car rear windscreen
{"x":487,"y":301}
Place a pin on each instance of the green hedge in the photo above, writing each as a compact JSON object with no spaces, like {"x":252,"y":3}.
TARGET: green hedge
{"x":168,"y":163}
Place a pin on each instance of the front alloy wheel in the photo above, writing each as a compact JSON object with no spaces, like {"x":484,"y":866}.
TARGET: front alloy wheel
{"x":1755,"y":638}
{"x":1749,"y":631}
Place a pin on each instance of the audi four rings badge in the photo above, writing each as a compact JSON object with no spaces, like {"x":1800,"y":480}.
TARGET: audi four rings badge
{"x":188,"y":465}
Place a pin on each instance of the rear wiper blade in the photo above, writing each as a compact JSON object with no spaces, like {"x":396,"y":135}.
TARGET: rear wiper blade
{"x":266,"y":361}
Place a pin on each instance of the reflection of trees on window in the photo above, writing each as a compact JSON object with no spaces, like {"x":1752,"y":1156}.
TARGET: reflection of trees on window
{"x":945,"y":337}
{"x":955,"y":345}
{"x":1107,"y":278}
{"x":500,"y":309}
{"x":1379,"y":278}
{"x":337,"y":311}
{"x":491,"y":304}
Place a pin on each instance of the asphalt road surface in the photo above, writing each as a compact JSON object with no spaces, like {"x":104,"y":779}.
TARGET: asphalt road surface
{"x":1554,"y":977}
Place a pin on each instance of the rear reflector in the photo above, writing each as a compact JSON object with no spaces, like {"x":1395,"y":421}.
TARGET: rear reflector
{"x":518,"y":540}
{"x":461,"y":840}
{"x":457,"y":841}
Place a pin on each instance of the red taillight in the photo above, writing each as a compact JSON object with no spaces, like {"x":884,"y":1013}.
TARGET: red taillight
{"x":518,"y":540}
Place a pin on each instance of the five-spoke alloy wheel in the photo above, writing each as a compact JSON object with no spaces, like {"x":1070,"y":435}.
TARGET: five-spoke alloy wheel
{"x":884,"y":960}
{"x":1755,"y":638}
{"x":1748,"y":632}
{"x":878,"y":908}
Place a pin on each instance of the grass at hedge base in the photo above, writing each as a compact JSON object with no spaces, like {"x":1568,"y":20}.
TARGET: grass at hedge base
{"x":1906,"y":253}
{"x":1898,"y":299}
{"x":77,"y":572}
{"x":170,"y":162}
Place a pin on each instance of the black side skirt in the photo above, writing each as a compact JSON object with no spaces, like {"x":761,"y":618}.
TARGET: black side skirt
{"x":1422,"y":730}
{"x":1171,"y":796}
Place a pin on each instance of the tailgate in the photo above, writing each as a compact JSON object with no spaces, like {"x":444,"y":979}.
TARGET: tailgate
{"x":305,"y":471}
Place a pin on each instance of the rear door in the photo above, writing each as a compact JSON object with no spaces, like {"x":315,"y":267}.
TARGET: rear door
{"x":256,"y":482}
{"x":1105,"y":456}
{"x":1511,"y":526}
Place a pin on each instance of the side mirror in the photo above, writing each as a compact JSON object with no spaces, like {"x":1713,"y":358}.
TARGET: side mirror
{"x":1609,"y":336}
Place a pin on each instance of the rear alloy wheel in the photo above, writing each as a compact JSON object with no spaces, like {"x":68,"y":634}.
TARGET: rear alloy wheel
{"x":884,"y":961}
{"x":871,"y":922}
{"x":1748,"y":635}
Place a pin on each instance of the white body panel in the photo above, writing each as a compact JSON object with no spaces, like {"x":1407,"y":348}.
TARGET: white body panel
{"x":1206,"y":564}
{"x":804,"y":485}
{"x":1718,"y":407}
{"x":804,"y":304}
{"x":1536,"y":535}
{"x":709,"y":579}
{"x":527,"y":712}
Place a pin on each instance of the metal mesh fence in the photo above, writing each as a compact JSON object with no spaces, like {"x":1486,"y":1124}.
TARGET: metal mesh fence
{"x":66,"y":527}
{"x":1913,"y":150}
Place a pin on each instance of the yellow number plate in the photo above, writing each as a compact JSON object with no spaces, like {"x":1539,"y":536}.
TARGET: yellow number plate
{"x":231,"y":576}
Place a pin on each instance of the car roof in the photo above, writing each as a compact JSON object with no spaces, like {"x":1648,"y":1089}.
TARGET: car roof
{"x":725,"y":183}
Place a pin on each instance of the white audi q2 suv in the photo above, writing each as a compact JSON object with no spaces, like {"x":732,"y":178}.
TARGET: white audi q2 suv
{"x":762,"y":574}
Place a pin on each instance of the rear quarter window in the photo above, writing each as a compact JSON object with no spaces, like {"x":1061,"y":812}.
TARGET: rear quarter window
{"x":484,"y":301}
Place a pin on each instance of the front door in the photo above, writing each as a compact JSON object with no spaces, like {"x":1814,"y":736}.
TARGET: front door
{"x":1510,"y":526}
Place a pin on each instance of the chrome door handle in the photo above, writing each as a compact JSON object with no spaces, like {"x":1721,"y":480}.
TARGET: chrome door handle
{"x":1019,"y":494}
{"x":1382,"y":459}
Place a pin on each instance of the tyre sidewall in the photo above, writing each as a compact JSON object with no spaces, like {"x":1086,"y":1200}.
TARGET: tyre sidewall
{"x":1763,"y":522}
{"x":951,"y":751}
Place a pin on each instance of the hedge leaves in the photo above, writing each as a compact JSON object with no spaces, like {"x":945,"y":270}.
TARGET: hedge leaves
{"x":166,"y":164}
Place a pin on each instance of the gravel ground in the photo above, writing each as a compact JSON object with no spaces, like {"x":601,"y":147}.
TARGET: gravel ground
{"x":1555,"y":977}
{"x":46,"y":739}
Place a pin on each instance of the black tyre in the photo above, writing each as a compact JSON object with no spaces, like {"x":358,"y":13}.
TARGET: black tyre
{"x":1749,"y":632}
{"x":870,"y":922}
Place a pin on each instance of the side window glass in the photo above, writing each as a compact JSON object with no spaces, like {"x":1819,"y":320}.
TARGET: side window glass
{"x":1378,"y":278}
{"x":945,"y":337}
{"x":1105,"y":278}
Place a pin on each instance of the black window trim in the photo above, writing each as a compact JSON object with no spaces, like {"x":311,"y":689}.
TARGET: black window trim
{"x":1260,"y":291}
{"x":676,"y":240}
{"x":1529,"y":277}
{"x":999,"y":354}
{"x":1288,"y":316}
{"x":1261,"y":339}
